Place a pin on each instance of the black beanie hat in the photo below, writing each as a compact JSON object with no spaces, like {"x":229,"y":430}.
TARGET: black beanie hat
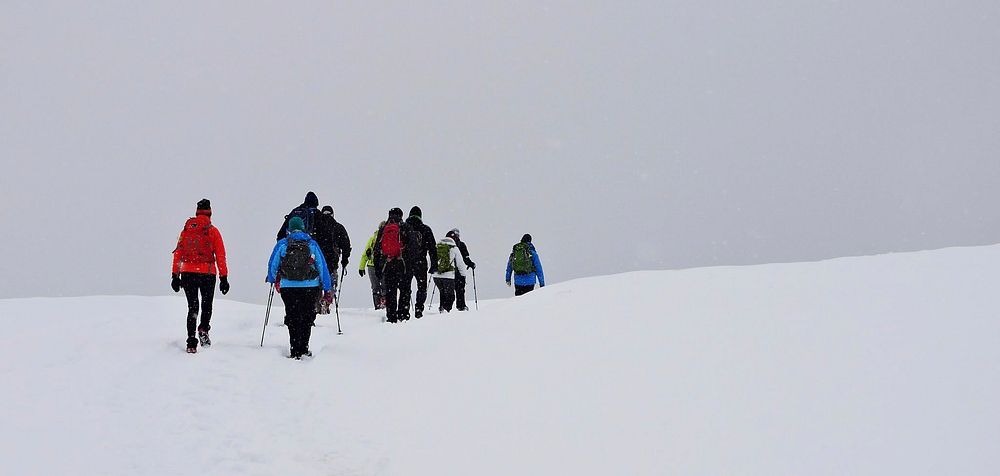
{"x":328,"y":210}
{"x":526,"y":238}
{"x":204,"y":204}
{"x":396,"y":213}
{"x":311,"y":200}
{"x":415,"y":212}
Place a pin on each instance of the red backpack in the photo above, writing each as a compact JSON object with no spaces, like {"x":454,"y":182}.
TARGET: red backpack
{"x":194,"y":245}
{"x":392,"y":247}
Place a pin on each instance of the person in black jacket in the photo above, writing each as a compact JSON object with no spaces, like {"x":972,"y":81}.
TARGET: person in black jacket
{"x":392,"y":270}
{"x":333,"y":240}
{"x":420,"y":250}
{"x":460,"y":278}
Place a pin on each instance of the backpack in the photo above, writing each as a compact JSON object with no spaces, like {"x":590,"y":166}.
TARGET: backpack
{"x":298,"y":264}
{"x":444,"y":263}
{"x":392,"y":247}
{"x":522,"y":259}
{"x":414,"y":246}
{"x":308,"y":218}
{"x":195,"y":245}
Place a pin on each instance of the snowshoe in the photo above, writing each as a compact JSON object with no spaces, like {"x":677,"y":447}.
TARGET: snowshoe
{"x":203,"y":338}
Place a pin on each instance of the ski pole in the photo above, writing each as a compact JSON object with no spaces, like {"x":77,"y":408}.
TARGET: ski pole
{"x":475,"y":293}
{"x":267,"y":314}
{"x":336,"y":309}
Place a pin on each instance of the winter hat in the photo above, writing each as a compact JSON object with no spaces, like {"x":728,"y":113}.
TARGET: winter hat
{"x":526,"y":238}
{"x":328,"y":210}
{"x":296,"y":224}
{"x":311,"y":200}
{"x":204,"y":207}
{"x":396,"y":213}
{"x":453,"y":233}
{"x":415,"y":212}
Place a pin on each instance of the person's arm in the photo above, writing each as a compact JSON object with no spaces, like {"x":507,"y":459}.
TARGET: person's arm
{"x":283,"y":231}
{"x":274,"y":261}
{"x":220,"y":251}
{"x":538,"y":268}
{"x":175,"y":266}
{"x":465,"y":255}
{"x":324,"y":273}
{"x":344,"y":243}
{"x":456,"y":256}
{"x":366,"y":257}
{"x":510,"y":267}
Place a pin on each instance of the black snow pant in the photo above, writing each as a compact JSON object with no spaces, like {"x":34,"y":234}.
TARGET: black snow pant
{"x":460,"y":292}
{"x":393,"y":278}
{"x":519,"y":290}
{"x":414,"y":270}
{"x":194,"y":284}
{"x":300,"y":314}
{"x":447,"y":288}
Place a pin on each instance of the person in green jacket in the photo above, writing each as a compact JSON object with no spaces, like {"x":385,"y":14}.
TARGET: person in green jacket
{"x":368,"y":265}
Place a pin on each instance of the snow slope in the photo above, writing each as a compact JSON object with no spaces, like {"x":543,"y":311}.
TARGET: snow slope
{"x":876,"y":365}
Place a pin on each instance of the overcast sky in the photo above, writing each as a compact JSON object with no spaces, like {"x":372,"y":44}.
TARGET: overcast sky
{"x":622,"y":135}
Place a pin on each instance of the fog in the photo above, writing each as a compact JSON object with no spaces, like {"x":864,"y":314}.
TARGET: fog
{"x":621,"y":135}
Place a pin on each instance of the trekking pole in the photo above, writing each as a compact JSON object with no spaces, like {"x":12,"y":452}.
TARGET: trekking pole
{"x":267,"y":314}
{"x":475,"y":293}
{"x":336,"y":309}
{"x":433,"y":288}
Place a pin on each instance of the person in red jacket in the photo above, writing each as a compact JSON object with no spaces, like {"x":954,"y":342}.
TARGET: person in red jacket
{"x":199,"y":250}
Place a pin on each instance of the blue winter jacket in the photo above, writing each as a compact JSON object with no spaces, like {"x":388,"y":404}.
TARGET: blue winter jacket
{"x":281,"y":247}
{"x":527,"y":279}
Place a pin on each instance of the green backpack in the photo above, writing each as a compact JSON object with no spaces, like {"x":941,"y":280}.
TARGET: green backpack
{"x":522,"y":259}
{"x":444,"y":258}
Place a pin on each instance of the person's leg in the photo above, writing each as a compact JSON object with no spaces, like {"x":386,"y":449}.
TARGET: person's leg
{"x":290,"y":297}
{"x":206,"y":285}
{"x":519,"y":290}
{"x":391,"y":277}
{"x":376,"y":291}
{"x":460,"y":292}
{"x":405,"y":291}
{"x":191,"y":293}
{"x":309,"y":315}
{"x":448,"y":294}
{"x":420,"y":272}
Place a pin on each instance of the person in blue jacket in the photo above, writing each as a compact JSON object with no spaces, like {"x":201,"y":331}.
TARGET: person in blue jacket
{"x":525,"y":266}
{"x":297,"y":269}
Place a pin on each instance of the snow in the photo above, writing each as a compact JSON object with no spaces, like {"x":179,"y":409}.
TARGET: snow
{"x":872,"y":365}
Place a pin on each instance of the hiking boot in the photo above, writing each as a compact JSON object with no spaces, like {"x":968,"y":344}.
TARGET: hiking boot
{"x":203,"y":338}
{"x":418,"y":314}
{"x":192,"y":350}
{"x":463,"y":309}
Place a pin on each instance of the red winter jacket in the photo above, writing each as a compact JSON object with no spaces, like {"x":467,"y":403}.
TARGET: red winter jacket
{"x":204,"y":218}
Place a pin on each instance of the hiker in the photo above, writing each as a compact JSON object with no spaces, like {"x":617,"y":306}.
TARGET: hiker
{"x":199,"y":250}
{"x":368,"y":265}
{"x":460,"y":279}
{"x":333,"y":240}
{"x":526,"y":266}
{"x":419,"y":249}
{"x":298,"y":270}
{"x":389,"y":264}
{"x":448,"y":269}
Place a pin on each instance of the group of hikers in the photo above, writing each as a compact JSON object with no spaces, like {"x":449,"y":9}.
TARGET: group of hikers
{"x":309,"y":262}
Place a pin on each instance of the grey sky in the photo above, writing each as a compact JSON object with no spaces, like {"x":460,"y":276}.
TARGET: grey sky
{"x":623,"y":136}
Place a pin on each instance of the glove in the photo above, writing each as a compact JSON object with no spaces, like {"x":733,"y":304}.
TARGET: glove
{"x":343,"y":263}
{"x":434,"y":270}
{"x":472,"y":265}
{"x":277,"y":285}
{"x":224,"y":284}
{"x":361,"y":272}
{"x":175,"y":282}
{"x":328,"y":297}
{"x":508,"y":284}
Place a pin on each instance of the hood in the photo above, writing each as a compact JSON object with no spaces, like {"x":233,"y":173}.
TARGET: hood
{"x":311,"y":201}
{"x":300,"y":236}
{"x":446,"y":241}
{"x":414,"y":220}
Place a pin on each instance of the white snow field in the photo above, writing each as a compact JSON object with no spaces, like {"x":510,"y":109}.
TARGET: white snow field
{"x":878,"y":365}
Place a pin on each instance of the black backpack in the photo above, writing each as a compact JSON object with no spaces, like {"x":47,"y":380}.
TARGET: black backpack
{"x":298,"y":264}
